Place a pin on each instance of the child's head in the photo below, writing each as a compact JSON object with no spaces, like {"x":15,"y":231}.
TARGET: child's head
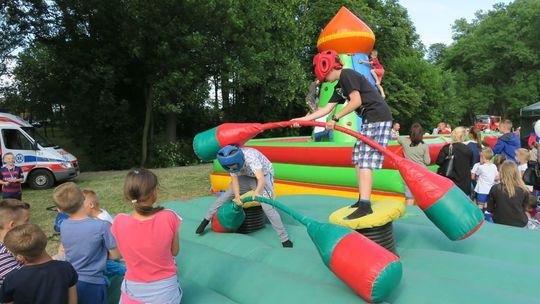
{"x":140,"y":188}
{"x":459,"y":134}
{"x":231,"y":158}
{"x":68,"y":197}
{"x":326,"y":65}
{"x":91,"y":201}
{"x":523,"y":155}
{"x":486,"y":155}
{"x":505,"y":126}
{"x":511,"y":178}
{"x":13,"y":213}
{"x":374,"y":53}
{"x":417,"y":134}
{"x":9,"y":158}
{"x":475,"y":134}
{"x":498,"y":160}
{"x":27,"y":242}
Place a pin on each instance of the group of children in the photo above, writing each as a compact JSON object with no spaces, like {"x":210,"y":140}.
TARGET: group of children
{"x":147,"y":240}
{"x":500,"y":190}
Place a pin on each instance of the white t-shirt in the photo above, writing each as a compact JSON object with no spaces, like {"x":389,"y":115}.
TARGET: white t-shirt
{"x":522,"y":168}
{"x":104,"y":215}
{"x":486,"y":174}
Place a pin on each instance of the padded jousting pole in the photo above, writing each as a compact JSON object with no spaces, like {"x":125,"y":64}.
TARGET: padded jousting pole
{"x":367,"y":268}
{"x":449,"y":208}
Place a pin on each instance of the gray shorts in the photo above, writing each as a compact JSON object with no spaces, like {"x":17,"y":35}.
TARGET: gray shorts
{"x":166,"y":291}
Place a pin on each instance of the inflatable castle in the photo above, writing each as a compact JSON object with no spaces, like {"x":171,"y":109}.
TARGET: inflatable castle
{"x":305,"y":166}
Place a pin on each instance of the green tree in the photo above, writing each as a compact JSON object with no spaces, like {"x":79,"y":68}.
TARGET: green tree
{"x":496,"y":59}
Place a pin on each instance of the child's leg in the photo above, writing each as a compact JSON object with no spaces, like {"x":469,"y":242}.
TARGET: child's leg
{"x":378,"y":79}
{"x":269,"y":210}
{"x":375,"y":77}
{"x":366,"y":159}
{"x":222,"y":199}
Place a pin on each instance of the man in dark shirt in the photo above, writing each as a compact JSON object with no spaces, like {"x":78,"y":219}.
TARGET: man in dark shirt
{"x":361,"y":97}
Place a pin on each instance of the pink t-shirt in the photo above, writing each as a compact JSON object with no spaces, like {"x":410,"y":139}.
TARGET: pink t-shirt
{"x":146,"y":245}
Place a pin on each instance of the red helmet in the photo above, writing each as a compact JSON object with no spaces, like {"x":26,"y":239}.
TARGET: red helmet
{"x":324,"y":62}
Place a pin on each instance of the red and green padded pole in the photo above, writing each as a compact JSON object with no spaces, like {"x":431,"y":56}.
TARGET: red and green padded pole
{"x":451,"y":210}
{"x":228,"y":218}
{"x":367,"y":268}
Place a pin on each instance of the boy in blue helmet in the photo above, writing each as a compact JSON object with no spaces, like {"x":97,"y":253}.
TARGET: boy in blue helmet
{"x":250,"y":170}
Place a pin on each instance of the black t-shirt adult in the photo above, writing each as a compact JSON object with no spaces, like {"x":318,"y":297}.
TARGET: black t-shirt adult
{"x":508,"y":210}
{"x":463,"y":161}
{"x":373,"y":109}
{"x":43,"y":283}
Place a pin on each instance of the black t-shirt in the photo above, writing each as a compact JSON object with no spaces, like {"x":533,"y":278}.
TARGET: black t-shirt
{"x":373,"y":109}
{"x":43,"y":283}
{"x":463,"y":161}
{"x":508,"y":210}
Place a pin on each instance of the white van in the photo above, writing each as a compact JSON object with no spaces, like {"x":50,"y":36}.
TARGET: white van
{"x":43,"y":163}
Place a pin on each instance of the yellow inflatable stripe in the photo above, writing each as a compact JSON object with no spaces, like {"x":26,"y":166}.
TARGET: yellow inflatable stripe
{"x":384,"y":211}
{"x":344,"y":35}
{"x":221,"y":182}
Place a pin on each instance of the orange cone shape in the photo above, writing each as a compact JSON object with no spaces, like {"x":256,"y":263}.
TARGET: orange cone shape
{"x":346,"y":34}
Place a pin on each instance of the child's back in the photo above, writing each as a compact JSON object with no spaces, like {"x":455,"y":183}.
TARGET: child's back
{"x":146,"y":245}
{"x":41,"y":279}
{"x":86,"y":244}
{"x":486,"y":174}
{"x":148,"y":240}
{"x":42,"y":283}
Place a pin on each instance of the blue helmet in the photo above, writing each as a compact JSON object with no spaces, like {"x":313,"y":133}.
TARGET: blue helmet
{"x":229,"y":156}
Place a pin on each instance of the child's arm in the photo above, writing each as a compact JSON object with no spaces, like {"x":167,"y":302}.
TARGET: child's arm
{"x":175,"y":246}
{"x":355,"y":101}
{"x":72,"y":295}
{"x":236,"y":190}
{"x":114,"y":254}
{"x":319,"y":113}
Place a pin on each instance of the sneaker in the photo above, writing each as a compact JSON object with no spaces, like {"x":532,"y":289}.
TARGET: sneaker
{"x":202,"y":226}
{"x":287,"y":244}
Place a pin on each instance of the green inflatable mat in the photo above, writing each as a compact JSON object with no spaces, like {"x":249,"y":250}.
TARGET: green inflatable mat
{"x":495,"y":265}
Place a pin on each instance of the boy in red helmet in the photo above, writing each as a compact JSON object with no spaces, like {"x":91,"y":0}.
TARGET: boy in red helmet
{"x":370,"y":105}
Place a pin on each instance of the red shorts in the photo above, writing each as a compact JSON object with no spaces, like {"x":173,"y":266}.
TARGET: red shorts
{"x":379,"y":73}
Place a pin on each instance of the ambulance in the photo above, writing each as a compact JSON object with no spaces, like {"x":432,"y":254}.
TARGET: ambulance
{"x":43,"y":163}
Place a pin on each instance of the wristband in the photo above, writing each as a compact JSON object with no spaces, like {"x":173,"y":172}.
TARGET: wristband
{"x":334,"y":118}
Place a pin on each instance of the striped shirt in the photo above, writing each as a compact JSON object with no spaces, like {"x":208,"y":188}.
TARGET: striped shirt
{"x":9,"y":174}
{"x":8,"y":263}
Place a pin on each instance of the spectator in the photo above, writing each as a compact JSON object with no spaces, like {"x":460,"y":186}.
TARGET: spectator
{"x":474,"y":143}
{"x":508,"y":143}
{"x":508,"y":200}
{"x":416,"y":150}
{"x":395,"y":130}
{"x":461,"y":172}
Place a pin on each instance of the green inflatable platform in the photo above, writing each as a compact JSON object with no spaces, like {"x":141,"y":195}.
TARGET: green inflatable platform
{"x":498,"y":264}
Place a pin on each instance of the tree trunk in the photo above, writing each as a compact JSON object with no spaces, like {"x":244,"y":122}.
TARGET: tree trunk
{"x":146,"y":128}
{"x":171,"y":127}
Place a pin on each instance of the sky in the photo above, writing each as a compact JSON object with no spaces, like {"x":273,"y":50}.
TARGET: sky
{"x":433,"y":19}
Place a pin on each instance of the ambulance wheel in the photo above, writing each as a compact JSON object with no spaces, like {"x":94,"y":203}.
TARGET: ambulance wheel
{"x":41,"y":179}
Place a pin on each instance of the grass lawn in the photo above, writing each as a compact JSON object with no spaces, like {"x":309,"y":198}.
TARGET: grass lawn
{"x":180,"y":183}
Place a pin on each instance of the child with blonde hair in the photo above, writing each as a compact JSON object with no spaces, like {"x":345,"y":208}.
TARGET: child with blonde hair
{"x":148,"y":240}
{"x":41,"y":279}
{"x":509,"y":199}
{"x":91,"y":206}
{"x":13,"y":213}
{"x":522,"y":157}
{"x":87,"y":243}
{"x":485,"y":174}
